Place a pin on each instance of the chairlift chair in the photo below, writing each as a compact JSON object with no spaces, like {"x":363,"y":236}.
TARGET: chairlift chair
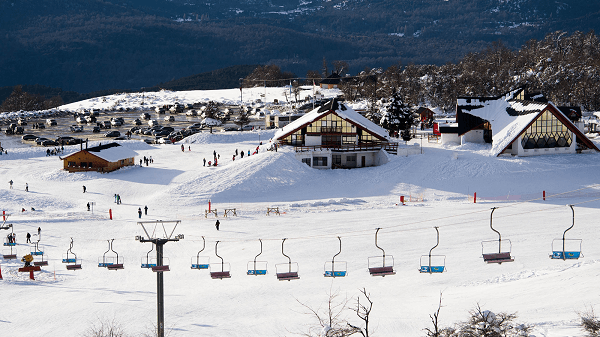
{"x":70,"y":258}
{"x":333,"y":268}
{"x":201,"y":262}
{"x":148,"y":261}
{"x":488,"y":248}
{"x":381,"y":265}
{"x":37,"y":251}
{"x":286,"y":271}
{"x":257,"y":267}
{"x":9,"y":253}
{"x":567,"y":249}
{"x":9,"y":243}
{"x":118,"y":260}
{"x":219,"y":270}
{"x":164,"y":267}
{"x":110,"y":262}
{"x":433,"y":263}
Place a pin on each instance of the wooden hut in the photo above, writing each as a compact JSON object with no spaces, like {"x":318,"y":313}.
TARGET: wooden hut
{"x":101,"y":158}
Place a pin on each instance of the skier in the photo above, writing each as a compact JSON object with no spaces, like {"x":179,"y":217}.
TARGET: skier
{"x":26,"y":187}
{"x":204,"y":160}
{"x":217,"y":224}
{"x":84,"y":188}
{"x":189,"y":148}
{"x":28,"y":237}
{"x":182,"y":148}
{"x":88,"y":206}
{"x":39,"y":232}
{"x":145,"y":210}
{"x":233,"y":158}
{"x":115,"y":198}
{"x":10,"y":183}
{"x":140,"y":212}
{"x":242,"y":154}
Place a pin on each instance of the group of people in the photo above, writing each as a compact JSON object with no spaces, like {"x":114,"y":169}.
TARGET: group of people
{"x":11,"y":238}
{"x":147,"y":160}
{"x":117,"y":199}
{"x":140,"y":211}
{"x":54,"y":151}
{"x":10,"y":184}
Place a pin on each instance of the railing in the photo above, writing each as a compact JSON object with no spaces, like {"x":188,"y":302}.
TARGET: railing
{"x":349,"y":148}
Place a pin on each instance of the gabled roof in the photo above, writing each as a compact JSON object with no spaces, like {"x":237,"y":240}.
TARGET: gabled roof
{"x":510,"y":118}
{"x":334,"y":78}
{"x":341,"y":110}
{"x":111,"y":152}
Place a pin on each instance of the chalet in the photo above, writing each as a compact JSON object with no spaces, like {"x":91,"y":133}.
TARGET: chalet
{"x":101,"y":158}
{"x":425,"y":114}
{"x":336,"y":136}
{"x":332,"y":81}
{"x":517,"y":124}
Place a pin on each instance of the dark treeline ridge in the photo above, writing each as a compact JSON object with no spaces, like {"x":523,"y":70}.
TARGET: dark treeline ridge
{"x":89,"y":45}
{"x":218,"y":79}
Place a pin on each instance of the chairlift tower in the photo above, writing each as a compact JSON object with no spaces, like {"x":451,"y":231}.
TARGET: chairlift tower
{"x":159,"y":239}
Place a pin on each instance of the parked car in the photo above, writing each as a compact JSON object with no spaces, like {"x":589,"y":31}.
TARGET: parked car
{"x":29,"y":137}
{"x":163,"y":140}
{"x":113,"y":133}
{"x":96,"y":129}
{"x":153,"y":122}
{"x":137,"y":121}
{"x":191,"y":113}
{"x":51,"y":122}
{"x":64,"y":139}
{"x":145,"y":115}
{"x":247,"y":128}
{"x":39,"y":140}
{"x":76,"y":128}
{"x":115,"y":122}
{"x":169,"y":118}
{"x":49,"y":142}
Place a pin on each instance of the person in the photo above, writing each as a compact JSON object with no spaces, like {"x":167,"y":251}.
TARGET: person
{"x":27,"y":259}
{"x":215,"y":153}
{"x":84,"y":188}
{"x":118,"y":199}
{"x":28,"y":236}
{"x":88,"y":206}
{"x":248,"y":153}
{"x":115,"y":198}
{"x":182,"y":148}
{"x":39,"y":231}
{"x":140,"y":161}
{"x":203,"y":159}
{"x":139,"y":212}
{"x":145,"y":210}
{"x":10,"y":183}
{"x":242,"y":154}
{"x":151,"y":160}
{"x":236,"y":152}
{"x":233,"y":158}
{"x":189,"y":148}
{"x":217,"y":224}
{"x":26,"y":187}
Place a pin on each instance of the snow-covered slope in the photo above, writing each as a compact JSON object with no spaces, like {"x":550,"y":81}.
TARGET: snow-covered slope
{"x":316,"y":206}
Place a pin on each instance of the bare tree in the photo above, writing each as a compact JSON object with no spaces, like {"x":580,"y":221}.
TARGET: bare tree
{"x":332,"y":322}
{"x":363,"y":311}
{"x":105,"y":328}
{"x":590,"y":323}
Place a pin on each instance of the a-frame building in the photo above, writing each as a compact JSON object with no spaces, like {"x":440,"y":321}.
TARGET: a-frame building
{"x":335,"y":136}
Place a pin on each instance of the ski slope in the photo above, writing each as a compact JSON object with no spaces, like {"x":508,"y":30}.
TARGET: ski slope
{"x":317,"y":206}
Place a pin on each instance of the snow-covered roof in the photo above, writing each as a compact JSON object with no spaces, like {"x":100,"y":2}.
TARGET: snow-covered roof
{"x":343,"y":111}
{"x":509,"y":117}
{"x":112,"y":152}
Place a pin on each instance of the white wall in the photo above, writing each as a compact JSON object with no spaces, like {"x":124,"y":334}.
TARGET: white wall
{"x":473,"y":136}
{"x":450,"y":138}
{"x":312,"y":140}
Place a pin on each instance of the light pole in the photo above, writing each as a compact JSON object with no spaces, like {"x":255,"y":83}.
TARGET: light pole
{"x":160,"y":267}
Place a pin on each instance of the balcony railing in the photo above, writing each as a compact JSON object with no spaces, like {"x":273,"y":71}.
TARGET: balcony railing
{"x":390,"y":147}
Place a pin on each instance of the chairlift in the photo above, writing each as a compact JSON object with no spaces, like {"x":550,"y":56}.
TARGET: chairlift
{"x":70,"y":258}
{"x":488,"y":248}
{"x":164,"y":267}
{"x":9,"y":253}
{"x":148,"y":261}
{"x":219,"y":270}
{"x":381,"y":265}
{"x":566,"y":249}
{"x":257,"y":267}
{"x":37,"y":251}
{"x":118,"y":261}
{"x":4,"y":225}
{"x":286,"y":271}
{"x":330,"y":266}
{"x":9,"y":240}
{"x":433,"y":263}
{"x":201,"y":262}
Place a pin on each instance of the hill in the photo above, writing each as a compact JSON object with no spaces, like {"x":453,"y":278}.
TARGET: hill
{"x":93,"y":45}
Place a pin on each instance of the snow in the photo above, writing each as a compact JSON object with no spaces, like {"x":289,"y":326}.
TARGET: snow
{"x":316,"y":206}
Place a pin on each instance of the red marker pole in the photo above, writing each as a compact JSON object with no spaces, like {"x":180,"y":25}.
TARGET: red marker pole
{"x":475,"y":197}
{"x":110,"y":213}
{"x":4,"y":215}
{"x":209,"y":205}
{"x":402,"y":199}
{"x":544,"y":195}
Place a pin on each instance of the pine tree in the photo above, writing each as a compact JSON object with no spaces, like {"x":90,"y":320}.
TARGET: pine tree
{"x":397,"y":118}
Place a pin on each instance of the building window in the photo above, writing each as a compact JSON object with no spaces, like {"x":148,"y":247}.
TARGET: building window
{"x":349,"y":140}
{"x":351,"y":160}
{"x":320,"y":161}
{"x":71,"y":164}
{"x":84,"y":165}
{"x":334,"y":141}
{"x":336,"y":159}
{"x":90,"y":165}
{"x":546,"y":132}
{"x":306,"y":161}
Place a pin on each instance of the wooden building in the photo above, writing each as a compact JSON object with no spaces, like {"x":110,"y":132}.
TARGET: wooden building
{"x":336,"y":136}
{"x":101,"y":158}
